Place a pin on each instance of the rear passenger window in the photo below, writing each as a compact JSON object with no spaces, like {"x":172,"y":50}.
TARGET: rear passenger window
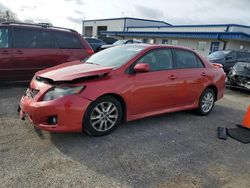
{"x":186,"y":59}
{"x":24,"y":38}
{"x":199,"y":62}
{"x":4,"y":38}
{"x":68,"y":40}
{"x":32,"y":38}
{"x":45,"y":40}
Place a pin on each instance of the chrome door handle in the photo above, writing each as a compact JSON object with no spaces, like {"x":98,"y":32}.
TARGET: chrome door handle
{"x":5,"y":52}
{"x":172,"y":77}
{"x":19,"y":52}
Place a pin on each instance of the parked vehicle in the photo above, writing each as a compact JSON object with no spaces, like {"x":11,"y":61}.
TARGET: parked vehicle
{"x":122,"y":83}
{"x":120,"y":42}
{"x":95,"y":43}
{"x":228,"y":58}
{"x":107,"y":40}
{"x":239,"y":75}
{"x":27,"y":48}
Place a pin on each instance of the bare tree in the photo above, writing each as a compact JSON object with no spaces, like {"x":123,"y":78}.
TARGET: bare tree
{"x":7,"y":16}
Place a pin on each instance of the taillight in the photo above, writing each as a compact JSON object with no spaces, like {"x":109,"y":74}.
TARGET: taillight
{"x":90,"y":51}
{"x":217,"y":65}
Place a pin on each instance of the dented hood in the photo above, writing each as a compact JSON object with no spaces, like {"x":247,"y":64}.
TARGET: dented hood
{"x":73,"y":70}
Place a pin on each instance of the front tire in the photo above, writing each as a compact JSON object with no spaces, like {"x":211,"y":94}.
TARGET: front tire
{"x":206,"y":102}
{"x":102,"y":116}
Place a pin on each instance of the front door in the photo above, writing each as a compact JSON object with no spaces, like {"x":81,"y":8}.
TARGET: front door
{"x":154,"y":90}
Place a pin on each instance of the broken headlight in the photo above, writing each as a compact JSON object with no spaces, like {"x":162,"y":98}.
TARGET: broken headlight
{"x":61,"y":91}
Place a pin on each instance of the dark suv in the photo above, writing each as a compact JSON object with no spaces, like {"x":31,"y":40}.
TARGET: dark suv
{"x":228,"y":58}
{"x":95,"y":43}
{"x":27,"y":48}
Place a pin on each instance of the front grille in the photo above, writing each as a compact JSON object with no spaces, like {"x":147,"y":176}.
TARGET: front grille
{"x":31,"y":93}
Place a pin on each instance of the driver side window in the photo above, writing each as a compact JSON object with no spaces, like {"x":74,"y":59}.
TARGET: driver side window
{"x":160,"y":59}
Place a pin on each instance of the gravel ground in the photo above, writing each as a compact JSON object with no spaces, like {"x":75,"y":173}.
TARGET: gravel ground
{"x":172,"y":150}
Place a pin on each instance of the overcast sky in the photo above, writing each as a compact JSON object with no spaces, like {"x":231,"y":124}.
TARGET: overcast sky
{"x":69,"y":13}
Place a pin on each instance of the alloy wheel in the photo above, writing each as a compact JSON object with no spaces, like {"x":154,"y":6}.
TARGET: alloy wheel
{"x":207,"y":102}
{"x":104,"y":116}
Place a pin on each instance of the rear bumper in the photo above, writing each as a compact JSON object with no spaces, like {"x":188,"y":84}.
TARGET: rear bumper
{"x":69,"y":111}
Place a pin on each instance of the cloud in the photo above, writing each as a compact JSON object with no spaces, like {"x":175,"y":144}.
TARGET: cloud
{"x":79,"y":12}
{"x":147,"y":12}
{"x":3,"y":7}
{"x":78,"y":2}
{"x":28,"y":7}
{"x":74,"y":20}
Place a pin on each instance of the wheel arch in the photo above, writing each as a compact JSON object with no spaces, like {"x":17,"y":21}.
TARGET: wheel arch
{"x":121,"y":100}
{"x":214,"y":88}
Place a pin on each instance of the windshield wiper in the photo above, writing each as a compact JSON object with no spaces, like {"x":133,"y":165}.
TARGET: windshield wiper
{"x":92,"y":63}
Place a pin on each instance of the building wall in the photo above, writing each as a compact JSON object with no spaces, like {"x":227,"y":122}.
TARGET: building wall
{"x":143,"y":23}
{"x":120,"y":24}
{"x":238,"y":45}
{"x":190,"y":43}
{"x":112,"y":25}
{"x":239,"y":29}
{"x":180,"y":29}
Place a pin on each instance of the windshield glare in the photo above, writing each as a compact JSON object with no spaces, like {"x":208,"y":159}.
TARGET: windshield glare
{"x":242,"y":66}
{"x":119,"y":42}
{"x":218,"y":55}
{"x":115,"y":56}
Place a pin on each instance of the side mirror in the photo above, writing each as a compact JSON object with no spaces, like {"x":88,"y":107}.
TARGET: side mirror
{"x":229,"y":57}
{"x":141,"y":67}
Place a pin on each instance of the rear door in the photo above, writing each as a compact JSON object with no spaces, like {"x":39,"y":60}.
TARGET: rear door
{"x":192,"y":76}
{"x":71,"y":47}
{"x":33,"y":50}
{"x":5,"y":54}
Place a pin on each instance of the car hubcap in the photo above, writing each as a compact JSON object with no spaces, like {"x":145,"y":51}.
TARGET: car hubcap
{"x":104,"y":116}
{"x":207,"y":102}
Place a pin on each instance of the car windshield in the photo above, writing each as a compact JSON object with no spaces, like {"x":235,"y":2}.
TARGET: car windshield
{"x":119,"y":42}
{"x":218,"y":55}
{"x":115,"y":56}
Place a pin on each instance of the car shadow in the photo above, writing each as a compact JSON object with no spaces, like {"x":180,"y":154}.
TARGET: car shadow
{"x":153,"y":150}
{"x":16,"y":84}
{"x":238,"y":90}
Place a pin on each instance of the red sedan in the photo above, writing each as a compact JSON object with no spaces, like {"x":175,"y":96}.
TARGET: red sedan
{"x":119,"y":84}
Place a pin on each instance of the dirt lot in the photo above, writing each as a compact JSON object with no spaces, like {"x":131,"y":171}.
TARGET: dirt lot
{"x":171,"y":150}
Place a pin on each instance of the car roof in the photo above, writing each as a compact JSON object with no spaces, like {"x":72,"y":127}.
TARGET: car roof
{"x":37,"y":26}
{"x":152,"y":46}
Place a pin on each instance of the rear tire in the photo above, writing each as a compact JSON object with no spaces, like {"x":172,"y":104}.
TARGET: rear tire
{"x":102,"y":116}
{"x":206,"y":102}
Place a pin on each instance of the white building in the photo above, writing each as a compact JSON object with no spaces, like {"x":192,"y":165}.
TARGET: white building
{"x":203,"y":38}
{"x":92,"y":28}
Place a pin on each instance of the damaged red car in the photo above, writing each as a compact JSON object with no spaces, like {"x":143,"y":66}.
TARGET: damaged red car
{"x":119,"y":84}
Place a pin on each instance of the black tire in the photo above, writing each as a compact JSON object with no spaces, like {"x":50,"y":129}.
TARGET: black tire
{"x":200,"y":109}
{"x":88,"y":126}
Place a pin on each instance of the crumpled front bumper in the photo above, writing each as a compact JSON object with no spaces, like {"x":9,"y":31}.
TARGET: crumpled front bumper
{"x":68,"y":110}
{"x":237,"y":80}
